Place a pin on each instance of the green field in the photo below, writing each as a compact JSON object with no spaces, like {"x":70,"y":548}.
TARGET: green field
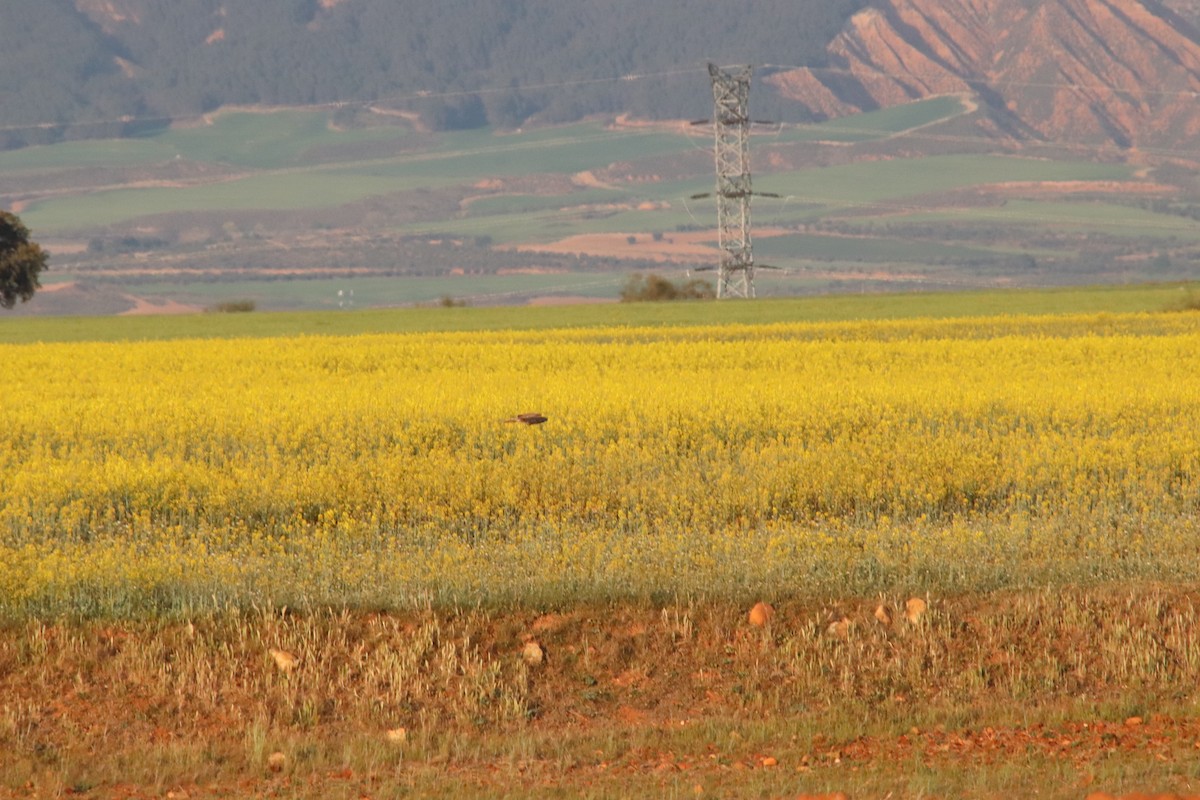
{"x":464,"y":158}
{"x":886,"y":122}
{"x":294,"y":159}
{"x":874,"y":249}
{"x":1110,"y":219}
{"x":278,"y":174}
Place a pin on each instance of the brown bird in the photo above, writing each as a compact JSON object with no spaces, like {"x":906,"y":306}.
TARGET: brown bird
{"x":528,"y":418}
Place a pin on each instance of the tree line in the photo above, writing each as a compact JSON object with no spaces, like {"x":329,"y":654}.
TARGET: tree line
{"x":122,"y":67}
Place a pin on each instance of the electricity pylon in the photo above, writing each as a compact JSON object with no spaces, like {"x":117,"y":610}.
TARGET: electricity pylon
{"x":731,"y":131}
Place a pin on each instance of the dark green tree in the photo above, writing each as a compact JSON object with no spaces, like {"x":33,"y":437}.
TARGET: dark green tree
{"x":21,"y":260}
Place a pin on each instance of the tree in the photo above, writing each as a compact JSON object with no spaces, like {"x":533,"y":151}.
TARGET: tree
{"x":20,"y":261}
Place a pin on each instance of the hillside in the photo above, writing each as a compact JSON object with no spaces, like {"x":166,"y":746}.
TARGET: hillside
{"x":1093,"y":72}
{"x":118,"y":67}
{"x":1086,"y":71}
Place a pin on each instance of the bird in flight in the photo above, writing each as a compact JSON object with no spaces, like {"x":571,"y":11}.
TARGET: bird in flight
{"x":529,"y":418}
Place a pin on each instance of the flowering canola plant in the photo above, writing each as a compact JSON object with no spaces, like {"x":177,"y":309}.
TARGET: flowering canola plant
{"x":722,"y":460}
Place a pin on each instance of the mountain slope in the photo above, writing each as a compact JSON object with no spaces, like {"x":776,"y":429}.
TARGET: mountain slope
{"x":1091,"y":72}
{"x":117,"y":64}
{"x":1120,"y":72}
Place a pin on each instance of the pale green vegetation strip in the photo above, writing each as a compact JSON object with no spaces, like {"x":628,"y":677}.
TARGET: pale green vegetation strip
{"x":1115,"y":299}
{"x":370,"y":292}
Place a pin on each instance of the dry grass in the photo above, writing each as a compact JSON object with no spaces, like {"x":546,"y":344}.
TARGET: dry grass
{"x":980,"y":696}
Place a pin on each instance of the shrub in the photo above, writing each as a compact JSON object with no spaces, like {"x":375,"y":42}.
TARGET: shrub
{"x":655,"y":288}
{"x":233,"y":306}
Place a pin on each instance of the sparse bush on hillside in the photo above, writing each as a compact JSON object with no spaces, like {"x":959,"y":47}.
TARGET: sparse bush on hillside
{"x":126,"y":244}
{"x":233,"y":306}
{"x":655,"y":288}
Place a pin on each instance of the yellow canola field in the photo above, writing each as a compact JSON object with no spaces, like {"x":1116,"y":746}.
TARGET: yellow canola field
{"x":796,"y":458}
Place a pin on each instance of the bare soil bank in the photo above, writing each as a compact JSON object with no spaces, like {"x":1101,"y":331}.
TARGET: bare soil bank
{"x":1061,"y":693}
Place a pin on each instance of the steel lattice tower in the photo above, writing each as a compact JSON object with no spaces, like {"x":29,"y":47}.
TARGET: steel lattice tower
{"x":731,"y":127}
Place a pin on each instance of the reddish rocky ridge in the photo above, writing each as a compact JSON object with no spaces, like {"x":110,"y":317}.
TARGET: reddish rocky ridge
{"x":1095,"y":72}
